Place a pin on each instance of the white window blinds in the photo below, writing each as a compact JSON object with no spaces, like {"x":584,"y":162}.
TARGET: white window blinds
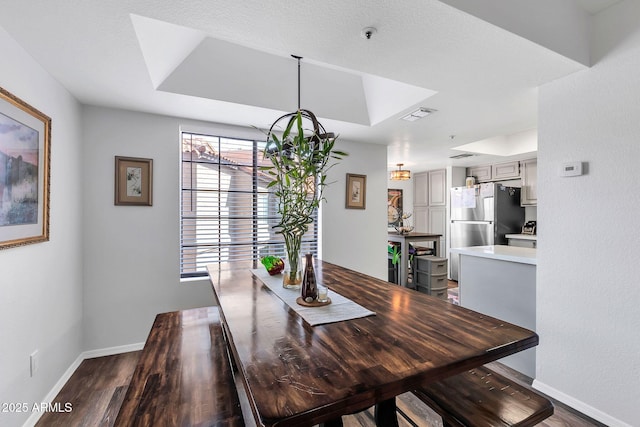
{"x":227,"y":213}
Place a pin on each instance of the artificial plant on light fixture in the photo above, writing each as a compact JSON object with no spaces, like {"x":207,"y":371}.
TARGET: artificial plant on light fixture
{"x":300,"y":160}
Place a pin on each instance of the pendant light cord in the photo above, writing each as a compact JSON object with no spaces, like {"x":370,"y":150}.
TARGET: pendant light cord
{"x":298,"y":58}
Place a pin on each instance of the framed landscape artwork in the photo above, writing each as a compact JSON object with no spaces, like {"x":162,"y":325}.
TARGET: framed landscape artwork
{"x":25,"y":144}
{"x":356,"y":194}
{"x":133,"y":184}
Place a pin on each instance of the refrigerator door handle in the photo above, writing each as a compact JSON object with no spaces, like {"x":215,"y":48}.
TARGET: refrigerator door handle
{"x":470,"y":222}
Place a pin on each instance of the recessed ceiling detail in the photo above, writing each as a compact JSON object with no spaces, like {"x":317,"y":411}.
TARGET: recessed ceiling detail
{"x":504,"y":145}
{"x":210,"y":68}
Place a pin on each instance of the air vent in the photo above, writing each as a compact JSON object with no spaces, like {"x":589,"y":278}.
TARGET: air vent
{"x":462,"y":156}
{"x":418,"y":114}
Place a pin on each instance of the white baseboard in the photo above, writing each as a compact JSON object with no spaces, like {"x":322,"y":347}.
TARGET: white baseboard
{"x":35,"y":416}
{"x":110,"y":351}
{"x":579,"y":406}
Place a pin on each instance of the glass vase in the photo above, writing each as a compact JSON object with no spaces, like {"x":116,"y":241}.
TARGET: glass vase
{"x":292,"y":277}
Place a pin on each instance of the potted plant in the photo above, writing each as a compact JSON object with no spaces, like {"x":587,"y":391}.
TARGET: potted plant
{"x":300,"y":160}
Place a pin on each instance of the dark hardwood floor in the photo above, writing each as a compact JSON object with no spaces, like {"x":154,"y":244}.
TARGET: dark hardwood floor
{"x":97,"y":388}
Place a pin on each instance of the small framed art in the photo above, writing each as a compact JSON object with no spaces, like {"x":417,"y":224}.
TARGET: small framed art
{"x":134,"y":177}
{"x":356,"y":194}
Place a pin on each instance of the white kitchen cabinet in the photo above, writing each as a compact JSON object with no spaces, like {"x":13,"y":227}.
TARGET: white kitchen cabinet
{"x":437,"y":187}
{"x":508,"y":170}
{"x":529,"y":193}
{"x":480,"y":173}
{"x":421,"y":189}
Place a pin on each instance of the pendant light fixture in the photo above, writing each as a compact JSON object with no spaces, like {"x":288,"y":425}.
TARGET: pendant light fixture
{"x":319,"y":132}
{"x":400,"y":175}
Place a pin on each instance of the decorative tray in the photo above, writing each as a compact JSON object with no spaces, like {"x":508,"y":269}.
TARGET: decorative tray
{"x":302,"y":302}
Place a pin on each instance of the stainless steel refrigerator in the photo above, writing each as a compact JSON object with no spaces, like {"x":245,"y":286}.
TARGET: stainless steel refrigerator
{"x":481,"y":215}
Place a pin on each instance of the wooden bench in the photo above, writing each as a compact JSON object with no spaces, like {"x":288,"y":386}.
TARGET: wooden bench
{"x":481,"y":397}
{"x":184,"y":376}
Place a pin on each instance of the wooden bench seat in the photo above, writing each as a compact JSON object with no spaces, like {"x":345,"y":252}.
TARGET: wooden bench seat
{"x":481,"y":397}
{"x":184,"y":377}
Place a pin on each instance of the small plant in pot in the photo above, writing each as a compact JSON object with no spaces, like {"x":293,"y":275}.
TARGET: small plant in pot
{"x":300,"y":160}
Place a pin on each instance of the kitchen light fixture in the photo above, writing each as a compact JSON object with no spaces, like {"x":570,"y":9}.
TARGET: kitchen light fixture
{"x":418,"y":114}
{"x":400,"y":175}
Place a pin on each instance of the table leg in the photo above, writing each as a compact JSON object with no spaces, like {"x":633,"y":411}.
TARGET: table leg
{"x":404,"y":260}
{"x":385,"y":413}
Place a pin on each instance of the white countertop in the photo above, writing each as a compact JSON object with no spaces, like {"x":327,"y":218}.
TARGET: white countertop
{"x":500,"y":252}
{"x":521,"y":236}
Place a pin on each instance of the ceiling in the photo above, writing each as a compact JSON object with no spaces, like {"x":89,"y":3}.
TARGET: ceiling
{"x":230,"y":61}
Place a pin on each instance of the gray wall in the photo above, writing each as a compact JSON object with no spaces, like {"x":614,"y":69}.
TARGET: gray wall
{"x":41,"y":284}
{"x":589,"y":241}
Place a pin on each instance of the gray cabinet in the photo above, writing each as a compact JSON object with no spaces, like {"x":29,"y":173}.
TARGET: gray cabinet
{"x":421,"y":189}
{"x":529,"y":193}
{"x":438,"y":224}
{"x":437,"y":187}
{"x":508,"y":170}
{"x":480,"y":173}
{"x":495,"y":172}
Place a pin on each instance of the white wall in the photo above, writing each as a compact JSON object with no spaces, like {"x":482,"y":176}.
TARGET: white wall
{"x":356,"y":238}
{"x":588,"y":294}
{"x":41,"y":284}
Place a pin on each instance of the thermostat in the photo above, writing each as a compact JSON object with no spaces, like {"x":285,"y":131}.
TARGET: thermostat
{"x":571,"y":169}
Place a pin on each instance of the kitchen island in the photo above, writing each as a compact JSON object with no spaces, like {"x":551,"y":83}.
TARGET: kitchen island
{"x":500,"y":281}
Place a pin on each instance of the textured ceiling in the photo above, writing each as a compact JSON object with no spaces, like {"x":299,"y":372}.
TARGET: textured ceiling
{"x":226,"y":61}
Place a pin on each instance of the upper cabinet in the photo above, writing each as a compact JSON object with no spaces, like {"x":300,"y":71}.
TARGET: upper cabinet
{"x":421,"y":189}
{"x":480,"y":173}
{"x":438,"y":187}
{"x":496,"y":172}
{"x":529,"y":193}
{"x":509,"y":170}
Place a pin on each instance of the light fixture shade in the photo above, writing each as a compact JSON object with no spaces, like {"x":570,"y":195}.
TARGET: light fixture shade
{"x":400,"y":175}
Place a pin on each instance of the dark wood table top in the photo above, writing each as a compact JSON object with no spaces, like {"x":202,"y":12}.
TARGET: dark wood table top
{"x":296,"y":374}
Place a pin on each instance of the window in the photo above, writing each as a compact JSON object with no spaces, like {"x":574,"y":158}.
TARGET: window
{"x":227,"y":213}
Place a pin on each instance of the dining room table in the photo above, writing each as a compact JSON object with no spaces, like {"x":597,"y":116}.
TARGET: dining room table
{"x":302,"y":366}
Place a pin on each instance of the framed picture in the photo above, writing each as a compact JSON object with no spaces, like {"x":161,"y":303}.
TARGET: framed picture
{"x":25,"y":144}
{"x":133,"y":181}
{"x":394,"y":206}
{"x":356,"y":191}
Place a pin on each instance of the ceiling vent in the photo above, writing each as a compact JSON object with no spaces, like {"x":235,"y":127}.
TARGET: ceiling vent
{"x":418,"y":114}
{"x":462,"y":156}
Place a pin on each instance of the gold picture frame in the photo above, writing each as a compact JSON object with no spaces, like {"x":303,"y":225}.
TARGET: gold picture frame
{"x":25,"y":149}
{"x":133,"y":181}
{"x":356,"y":193}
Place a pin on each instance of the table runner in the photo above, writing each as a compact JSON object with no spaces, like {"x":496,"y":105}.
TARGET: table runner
{"x":340,"y":309}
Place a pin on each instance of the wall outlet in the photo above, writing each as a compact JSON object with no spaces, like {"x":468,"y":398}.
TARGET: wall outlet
{"x":34,"y":361}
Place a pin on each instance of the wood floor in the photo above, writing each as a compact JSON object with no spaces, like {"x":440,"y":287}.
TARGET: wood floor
{"x":97,"y":388}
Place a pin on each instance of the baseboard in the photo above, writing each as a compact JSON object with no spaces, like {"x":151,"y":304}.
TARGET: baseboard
{"x":35,"y":416}
{"x":110,"y":351}
{"x":578,"y":405}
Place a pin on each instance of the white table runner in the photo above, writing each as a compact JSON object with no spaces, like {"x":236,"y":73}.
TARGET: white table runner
{"x":340,"y":309}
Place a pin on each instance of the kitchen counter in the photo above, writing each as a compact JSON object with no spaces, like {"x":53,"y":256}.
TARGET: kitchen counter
{"x":500,"y":281}
{"x":500,"y":252}
{"x":521,"y":236}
